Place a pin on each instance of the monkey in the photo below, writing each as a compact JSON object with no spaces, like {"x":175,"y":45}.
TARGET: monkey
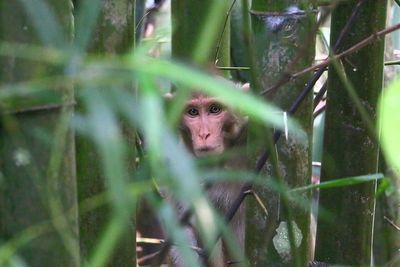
{"x":208,"y":127}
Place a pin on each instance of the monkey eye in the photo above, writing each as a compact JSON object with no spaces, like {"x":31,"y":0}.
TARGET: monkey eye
{"x":215,"y":108}
{"x":192,"y":112}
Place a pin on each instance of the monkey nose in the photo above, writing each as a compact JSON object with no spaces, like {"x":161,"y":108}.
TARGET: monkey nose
{"x":204,"y":136}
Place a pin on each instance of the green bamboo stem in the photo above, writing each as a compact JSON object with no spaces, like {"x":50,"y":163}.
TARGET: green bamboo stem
{"x":349,"y":150}
{"x":281,"y":48}
{"x":37,"y":147}
{"x":113,"y":33}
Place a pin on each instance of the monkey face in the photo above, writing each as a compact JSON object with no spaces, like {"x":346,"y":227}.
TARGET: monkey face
{"x":204,"y":120}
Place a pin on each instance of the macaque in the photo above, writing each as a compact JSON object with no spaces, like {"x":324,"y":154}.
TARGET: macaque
{"x":208,"y":127}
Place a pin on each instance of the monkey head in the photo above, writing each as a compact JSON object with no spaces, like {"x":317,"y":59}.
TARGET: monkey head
{"x":208,"y":126}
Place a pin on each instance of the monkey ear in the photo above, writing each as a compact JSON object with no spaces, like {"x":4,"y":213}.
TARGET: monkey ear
{"x":168,"y":96}
{"x":245,"y":87}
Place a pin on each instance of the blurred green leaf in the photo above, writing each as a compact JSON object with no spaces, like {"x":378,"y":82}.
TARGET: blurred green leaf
{"x":348,"y":181}
{"x":164,"y":149}
{"x":17,"y":261}
{"x":177,"y":233}
{"x":103,"y":127}
{"x":10,"y":248}
{"x":385,"y":187}
{"x":196,"y":80}
{"x":210,"y":30}
{"x":46,"y":23}
{"x":389,"y":117}
{"x":34,"y":52}
{"x":86,"y":19}
{"x":109,"y":240}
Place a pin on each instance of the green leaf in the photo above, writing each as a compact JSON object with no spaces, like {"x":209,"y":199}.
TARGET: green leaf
{"x":389,"y":118}
{"x":341,"y":182}
{"x":195,"y":80}
{"x":86,"y":19}
{"x":103,"y":127}
{"x":46,"y":23}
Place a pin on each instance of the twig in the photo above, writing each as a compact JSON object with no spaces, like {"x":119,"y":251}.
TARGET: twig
{"x":148,"y":240}
{"x":161,"y":254}
{"x":147,"y":257}
{"x":233,"y":68}
{"x":351,"y":50}
{"x":393,"y":62}
{"x":392,"y":223}
{"x":142,"y":19}
{"x":336,"y":49}
{"x":277,"y":133}
{"x":265,"y":155}
{"x":318,"y":97}
{"x":259,"y":201}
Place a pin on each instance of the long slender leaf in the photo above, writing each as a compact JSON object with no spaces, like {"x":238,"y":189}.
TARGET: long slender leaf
{"x":45,"y":21}
{"x":348,"y":181}
{"x":103,"y":128}
{"x":85,"y":22}
{"x":389,"y":110}
{"x":210,"y":30}
{"x":196,"y":80}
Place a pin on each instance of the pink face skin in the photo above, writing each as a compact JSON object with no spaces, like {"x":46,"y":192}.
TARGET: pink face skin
{"x":205,"y":118}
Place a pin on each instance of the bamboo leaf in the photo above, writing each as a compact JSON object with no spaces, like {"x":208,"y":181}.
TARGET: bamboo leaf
{"x":85,"y":22}
{"x":46,"y":24}
{"x":196,"y":80}
{"x":348,"y":181}
{"x":102,"y":125}
{"x":389,"y":111}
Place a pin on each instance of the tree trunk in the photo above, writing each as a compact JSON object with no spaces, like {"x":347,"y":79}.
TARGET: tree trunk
{"x":283,"y":42}
{"x":346,"y":238}
{"x":38,"y":189}
{"x":113,"y":35}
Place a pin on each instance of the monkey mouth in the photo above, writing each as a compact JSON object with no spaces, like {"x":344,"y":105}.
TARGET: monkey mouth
{"x":208,"y":150}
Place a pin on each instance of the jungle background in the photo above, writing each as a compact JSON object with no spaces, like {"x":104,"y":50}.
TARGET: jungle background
{"x":87,"y":138}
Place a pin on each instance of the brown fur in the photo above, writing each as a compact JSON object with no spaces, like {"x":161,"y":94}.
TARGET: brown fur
{"x":210,"y":128}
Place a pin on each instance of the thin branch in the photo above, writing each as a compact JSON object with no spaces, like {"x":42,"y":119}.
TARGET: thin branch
{"x":336,"y":48}
{"x":393,"y":62}
{"x":318,"y":97}
{"x":147,"y":257}
{"x":233,"y":68}
{"x":392,"y":223}
{"x":356,"y":47}
{"x":147,"y":240}
{"x":142,"y":19}
{"x":160,"y":255}
{"x":277,"y":133}
{"x":259,"y":201}
{"x":265,"y":155}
